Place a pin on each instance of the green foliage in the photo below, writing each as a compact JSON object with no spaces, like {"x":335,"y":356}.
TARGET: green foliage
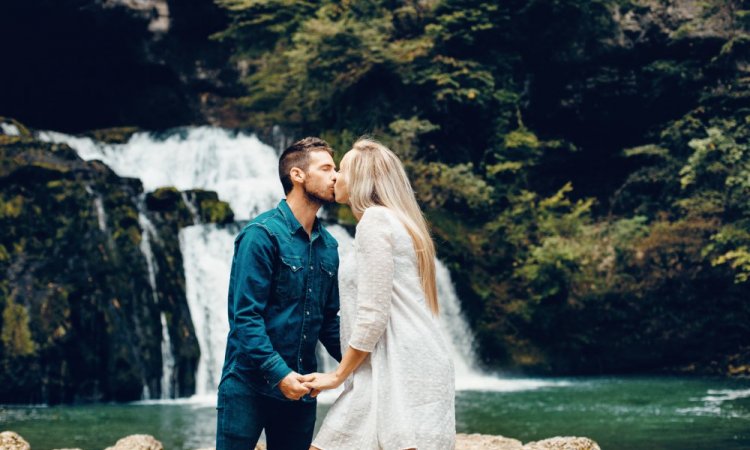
{"x":438,"y":185}
{"x":16,"y":336}
{"x":11,"y":208}
{"x":553,"y":279}
{"x":717,"y":175}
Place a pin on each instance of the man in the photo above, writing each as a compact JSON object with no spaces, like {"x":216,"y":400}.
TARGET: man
{"x":283,"y":298}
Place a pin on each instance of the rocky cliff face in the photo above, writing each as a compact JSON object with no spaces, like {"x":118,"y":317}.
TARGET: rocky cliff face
{"x":80,"y":318}
{"x":84,"y":64}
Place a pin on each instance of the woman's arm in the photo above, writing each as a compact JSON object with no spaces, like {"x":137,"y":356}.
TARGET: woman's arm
{"x":374,"y":294}
{"x":349,"y":363}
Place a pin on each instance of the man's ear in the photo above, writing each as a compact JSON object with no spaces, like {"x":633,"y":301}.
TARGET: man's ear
{"x":297,"y":174}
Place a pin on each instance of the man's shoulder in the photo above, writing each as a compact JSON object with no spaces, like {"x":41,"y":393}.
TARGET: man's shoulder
{"x":270,"y":217}
{"x":267,"y":223}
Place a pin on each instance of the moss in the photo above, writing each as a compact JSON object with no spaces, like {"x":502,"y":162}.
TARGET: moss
{"x":216,"y":211}
{"x":117,"y":135}
{"x":12,"y":208}
{"x":16,"y":335}
{"x":521,"y":138}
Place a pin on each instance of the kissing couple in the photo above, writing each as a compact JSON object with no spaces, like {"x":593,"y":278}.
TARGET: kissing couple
{"x":375,"y":312}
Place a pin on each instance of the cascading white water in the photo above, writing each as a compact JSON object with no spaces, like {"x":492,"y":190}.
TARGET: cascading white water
{"x":9,"y":129}
{"x":191,"y":207}
{"x":207,"y":254}
{"x":167,"y":353}
{"x":243,"y":172}
{"x":238,"y":166}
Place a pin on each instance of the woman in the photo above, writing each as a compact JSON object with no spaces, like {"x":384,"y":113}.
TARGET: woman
{"x":398,"y":378}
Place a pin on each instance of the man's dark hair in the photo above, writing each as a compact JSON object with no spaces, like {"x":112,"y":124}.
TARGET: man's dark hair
{"x":298,"y":155}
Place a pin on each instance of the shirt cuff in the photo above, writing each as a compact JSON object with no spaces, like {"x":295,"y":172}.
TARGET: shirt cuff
{"x":274,"y":370}
{"x":362,"y":342}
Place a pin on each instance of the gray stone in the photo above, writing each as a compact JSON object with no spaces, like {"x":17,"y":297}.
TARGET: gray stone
{"x":563,"y":443}
{"x":137,"y":442}
{"x":483,"y":441}
{"x":10,"y":440}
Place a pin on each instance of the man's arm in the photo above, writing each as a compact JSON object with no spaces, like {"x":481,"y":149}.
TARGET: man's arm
{"x":254,"y":256}
{"x":329,"y":331}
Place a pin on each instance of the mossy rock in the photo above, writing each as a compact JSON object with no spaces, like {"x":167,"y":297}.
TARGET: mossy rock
{"x":117,"y":135}
{"x":10,"y":123}
{"x":164,"y":199}
{"x":216,"y":211}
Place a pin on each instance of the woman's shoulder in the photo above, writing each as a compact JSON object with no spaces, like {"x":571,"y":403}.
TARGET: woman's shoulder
{"x":376,"y":215}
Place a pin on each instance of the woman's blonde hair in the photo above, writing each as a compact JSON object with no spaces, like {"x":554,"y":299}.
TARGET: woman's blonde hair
{"x":377,"y":177}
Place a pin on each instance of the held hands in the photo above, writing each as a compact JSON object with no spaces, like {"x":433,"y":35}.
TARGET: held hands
{"x":292,"y":385}
{"x":317,"y":382}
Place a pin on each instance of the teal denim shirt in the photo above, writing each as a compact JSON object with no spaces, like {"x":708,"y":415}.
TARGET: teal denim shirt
{"x":283,"y":298}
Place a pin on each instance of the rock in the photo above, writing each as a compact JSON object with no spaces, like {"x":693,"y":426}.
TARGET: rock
{"x":563,"y":443}
{"x":483,"y":441}
{"x":478,"y":441}
{"x":155,"y":64}
{"x":137,"y":442}
{"x":53,"y":204}
{"x":10,"y":440}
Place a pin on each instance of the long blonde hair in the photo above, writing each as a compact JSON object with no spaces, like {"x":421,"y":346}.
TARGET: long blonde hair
{"x":377,"y":177}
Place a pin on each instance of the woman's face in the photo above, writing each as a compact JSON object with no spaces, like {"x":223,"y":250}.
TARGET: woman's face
{"x":342,"y":182}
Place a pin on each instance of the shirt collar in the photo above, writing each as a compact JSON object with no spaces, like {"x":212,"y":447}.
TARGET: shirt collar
{"x":292,"y":223}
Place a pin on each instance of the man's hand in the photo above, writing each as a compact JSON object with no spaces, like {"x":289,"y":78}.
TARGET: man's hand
{"x":291,"y":386}
{"x":321,"y":382}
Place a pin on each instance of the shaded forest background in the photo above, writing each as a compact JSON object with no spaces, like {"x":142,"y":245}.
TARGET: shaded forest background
{"x":585,"y":166}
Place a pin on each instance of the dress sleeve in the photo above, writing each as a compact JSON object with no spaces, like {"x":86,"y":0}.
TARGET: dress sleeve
{"x":374,"y":252}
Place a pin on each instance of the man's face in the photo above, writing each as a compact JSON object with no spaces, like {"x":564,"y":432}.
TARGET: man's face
{"x":320,"y":177}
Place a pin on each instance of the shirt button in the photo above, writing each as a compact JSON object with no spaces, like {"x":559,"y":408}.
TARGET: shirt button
{"x":300,"y":360}
{"x":311,"y":267}
{"x":307,"y":312}
{"x":304,"y":336}
{"x":309,"y":290}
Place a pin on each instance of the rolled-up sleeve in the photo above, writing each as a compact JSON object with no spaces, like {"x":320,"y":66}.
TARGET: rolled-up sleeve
{"x":374,"y":278}
{"x":254,"y":256}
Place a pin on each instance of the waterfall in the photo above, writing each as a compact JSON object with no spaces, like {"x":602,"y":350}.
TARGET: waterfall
{"x":168,"y":387}
{"x":101,"y":215}
{"x":207,"y":254}
{"x":9,"y":129}
{"x":167,"y":352}
{"x":145,"y":246}
{"x":243,"y":172}
{"x":190,"y":205}
{"x":238,"y":166}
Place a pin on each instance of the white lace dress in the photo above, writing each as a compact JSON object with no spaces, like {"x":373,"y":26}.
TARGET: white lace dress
{"x":402,"y":395}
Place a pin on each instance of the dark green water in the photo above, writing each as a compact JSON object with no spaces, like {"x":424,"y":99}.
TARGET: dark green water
{"x":619,"y":413}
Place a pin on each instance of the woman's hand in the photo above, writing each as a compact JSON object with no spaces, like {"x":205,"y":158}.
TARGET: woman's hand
{"x":322,"y":382}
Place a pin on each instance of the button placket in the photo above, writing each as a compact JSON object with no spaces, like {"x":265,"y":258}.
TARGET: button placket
{"x":308,"y":283}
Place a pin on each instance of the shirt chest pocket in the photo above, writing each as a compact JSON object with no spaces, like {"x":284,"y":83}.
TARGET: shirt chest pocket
{"x":327,"y":277}
{"x":290,"y":285}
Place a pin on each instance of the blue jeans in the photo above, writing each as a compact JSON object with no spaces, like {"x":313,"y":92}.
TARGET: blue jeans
{"x":242,"y":414}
